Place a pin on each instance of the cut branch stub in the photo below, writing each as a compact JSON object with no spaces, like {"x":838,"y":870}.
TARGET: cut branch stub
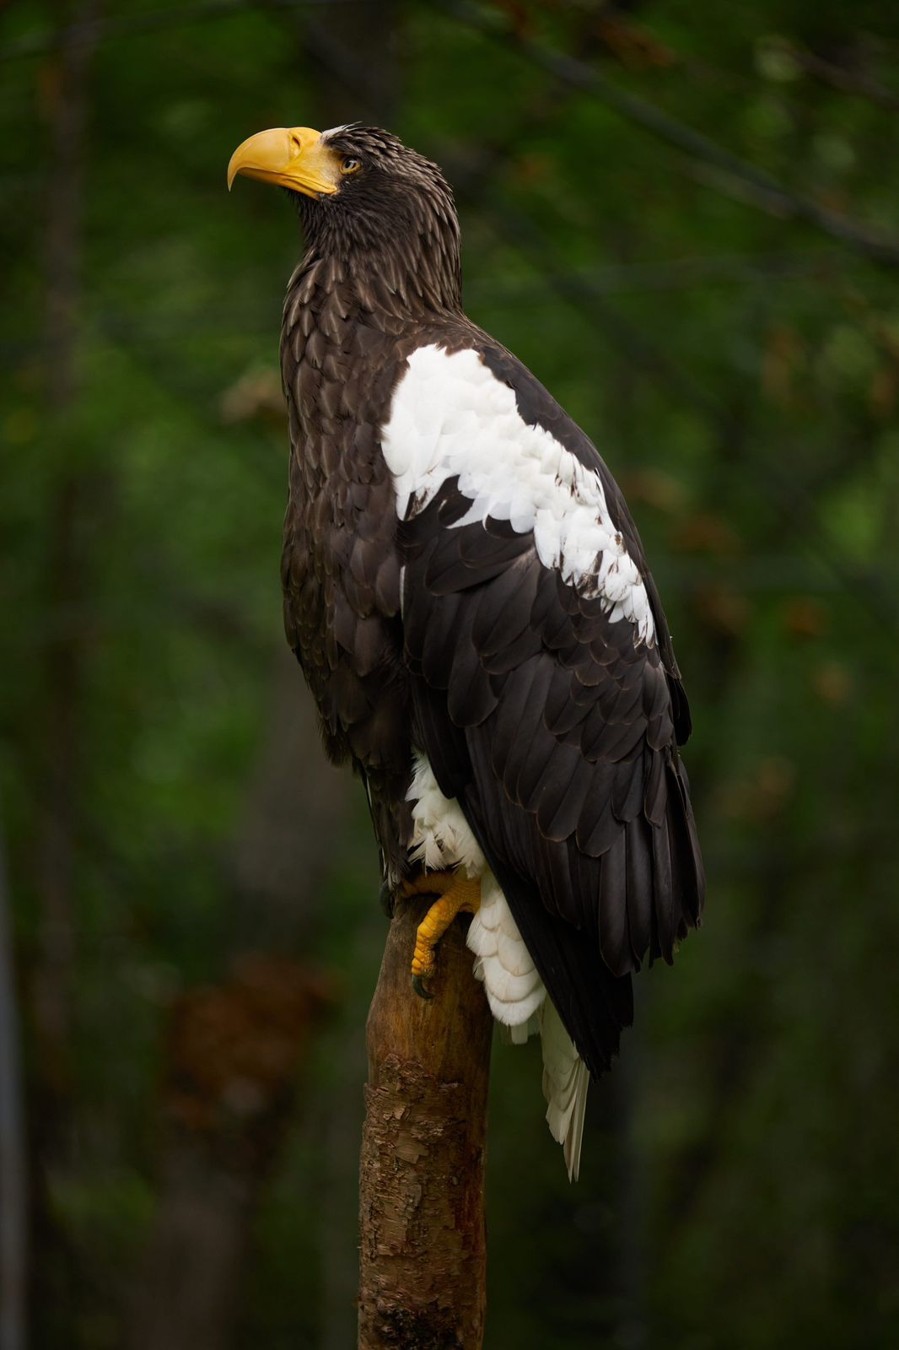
{"x":423,"y":1240}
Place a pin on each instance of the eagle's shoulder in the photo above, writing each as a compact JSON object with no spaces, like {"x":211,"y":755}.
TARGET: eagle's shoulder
{"x":465,"y":408}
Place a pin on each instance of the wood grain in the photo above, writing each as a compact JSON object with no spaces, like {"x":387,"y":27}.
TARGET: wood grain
{"x":423,"y":1237}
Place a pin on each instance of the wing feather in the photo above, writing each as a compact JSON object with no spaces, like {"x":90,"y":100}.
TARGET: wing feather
{"x":549,"y":706}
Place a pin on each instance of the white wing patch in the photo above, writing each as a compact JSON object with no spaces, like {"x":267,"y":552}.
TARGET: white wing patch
{"x":451,"y":417}
{"x":442,"y":838}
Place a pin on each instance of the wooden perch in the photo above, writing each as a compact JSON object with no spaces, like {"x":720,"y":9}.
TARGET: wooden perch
{"x":423,"y":1248}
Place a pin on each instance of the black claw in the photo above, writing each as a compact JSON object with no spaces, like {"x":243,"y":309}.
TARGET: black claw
{"x":421,"y":989}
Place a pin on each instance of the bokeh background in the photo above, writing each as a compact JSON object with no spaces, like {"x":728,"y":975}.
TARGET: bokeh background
{"x":684,"y":217}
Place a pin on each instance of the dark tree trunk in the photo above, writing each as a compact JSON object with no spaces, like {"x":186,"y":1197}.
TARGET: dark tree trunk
{"x":13,"y":1171}
{"x":233,"y":1050}
{"x":59,"y":673}
{"x":423,"y":1252}
{"x":190,"y":1276}
{"x":232,"y":1059}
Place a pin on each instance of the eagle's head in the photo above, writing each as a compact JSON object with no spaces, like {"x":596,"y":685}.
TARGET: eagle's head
{"x":361,"y":193}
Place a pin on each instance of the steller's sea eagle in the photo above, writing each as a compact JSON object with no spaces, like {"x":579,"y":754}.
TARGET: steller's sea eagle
{"x":469,"y":600}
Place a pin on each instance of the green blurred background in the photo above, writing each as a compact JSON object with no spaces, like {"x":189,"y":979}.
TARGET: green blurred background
{"x":683,"y":218}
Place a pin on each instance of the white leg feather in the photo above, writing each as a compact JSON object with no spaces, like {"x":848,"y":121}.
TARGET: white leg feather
{"x":442,"y":838}
{"x":514,"y":989}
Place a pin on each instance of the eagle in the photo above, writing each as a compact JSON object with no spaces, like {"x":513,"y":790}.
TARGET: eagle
{"x":469,"y":600}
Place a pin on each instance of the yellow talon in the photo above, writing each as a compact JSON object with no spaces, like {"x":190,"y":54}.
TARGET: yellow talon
{"x":457,"y":895}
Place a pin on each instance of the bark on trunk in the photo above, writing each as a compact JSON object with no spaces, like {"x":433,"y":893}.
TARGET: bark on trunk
{"x":423,"y":1250}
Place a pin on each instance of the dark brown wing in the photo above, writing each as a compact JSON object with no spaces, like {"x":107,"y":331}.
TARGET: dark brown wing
{"x":554,"y":726}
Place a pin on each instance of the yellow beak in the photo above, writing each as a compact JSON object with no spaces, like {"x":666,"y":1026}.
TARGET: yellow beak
{"x":292,"y":157}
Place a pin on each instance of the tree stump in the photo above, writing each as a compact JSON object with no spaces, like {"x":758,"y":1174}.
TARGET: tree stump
{"x":423,"y":1235}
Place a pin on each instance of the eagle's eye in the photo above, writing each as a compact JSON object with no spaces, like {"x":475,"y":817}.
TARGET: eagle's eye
{"x":351,"y":165}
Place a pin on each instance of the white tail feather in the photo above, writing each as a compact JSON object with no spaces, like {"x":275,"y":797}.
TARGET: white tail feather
{"x":520,"y":1034}
{"x":565,"y":1083}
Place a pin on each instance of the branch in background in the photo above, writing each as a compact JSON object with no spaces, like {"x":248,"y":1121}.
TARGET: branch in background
{"x":90,"y":32}
{"x":354,"y":43}
{"x":758,"y":188}
{"x":793,"y":504}
{"x":843,"y":78}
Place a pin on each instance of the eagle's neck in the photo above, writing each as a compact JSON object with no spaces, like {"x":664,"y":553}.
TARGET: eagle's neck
{"x":377,"y":292}
{"x":346,"y":316}
{"x":406,"y":273}
{"x":346,"y":328}
{"x":352,"y":314}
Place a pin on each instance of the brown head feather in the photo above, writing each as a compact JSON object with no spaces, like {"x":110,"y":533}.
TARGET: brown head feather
{"x":394,"y":220}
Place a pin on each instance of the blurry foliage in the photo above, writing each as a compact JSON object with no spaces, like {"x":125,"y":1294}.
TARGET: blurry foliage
{"x":739,"y":372}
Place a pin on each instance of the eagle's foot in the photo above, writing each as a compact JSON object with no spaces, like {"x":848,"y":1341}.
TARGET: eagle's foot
{"x":457,"y":894}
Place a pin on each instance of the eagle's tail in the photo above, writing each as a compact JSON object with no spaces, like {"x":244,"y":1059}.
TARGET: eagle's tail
{"x":565,"y":1082}
{"x":518,"y":1001}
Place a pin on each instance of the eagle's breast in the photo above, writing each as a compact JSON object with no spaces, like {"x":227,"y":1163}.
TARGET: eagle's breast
{"x":340,"y":569}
